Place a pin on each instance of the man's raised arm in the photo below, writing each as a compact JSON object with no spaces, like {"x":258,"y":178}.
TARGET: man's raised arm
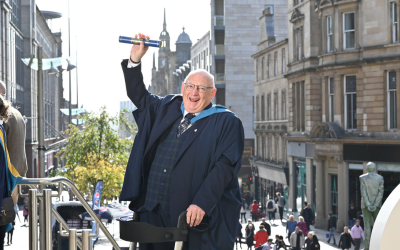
{"x":135,"y":87}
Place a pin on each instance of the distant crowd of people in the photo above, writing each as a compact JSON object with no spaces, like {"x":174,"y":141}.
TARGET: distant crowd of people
{"x":299,"y":234}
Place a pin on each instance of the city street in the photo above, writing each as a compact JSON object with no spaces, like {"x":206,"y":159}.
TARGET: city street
{"x":21,"y":232}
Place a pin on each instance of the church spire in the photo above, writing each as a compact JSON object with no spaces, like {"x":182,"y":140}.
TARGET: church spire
{"x":165,"y":23}
{"x":154,"y":60}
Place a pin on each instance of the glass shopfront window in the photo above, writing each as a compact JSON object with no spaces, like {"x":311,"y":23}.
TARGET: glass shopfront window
{"x":301,"y":185}
{"x":334,"y":196}
{"x":391,"y":177}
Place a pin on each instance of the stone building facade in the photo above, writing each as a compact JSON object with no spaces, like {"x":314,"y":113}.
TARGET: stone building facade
{"x":164,"y":78}
{"x":234,"y":29}
{"x":271,"y":110}
{"x":343,"y":77}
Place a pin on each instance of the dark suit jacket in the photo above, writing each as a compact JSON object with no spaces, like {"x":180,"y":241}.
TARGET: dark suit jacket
{"x":205,"y":172}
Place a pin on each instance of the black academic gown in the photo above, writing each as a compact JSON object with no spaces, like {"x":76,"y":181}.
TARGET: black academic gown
{"x":205,"y":172}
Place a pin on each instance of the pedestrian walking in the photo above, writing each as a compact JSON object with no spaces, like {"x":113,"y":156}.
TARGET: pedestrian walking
{"x":254,"y":210}
{"x":25,"y":212}
{"x":10,"y":234}
{"x":16,"y":209}
{"x":281,"y":204}
{"x":345,"y":240}
{"x":266,"y":226}
{"x":248,"y":200}
{"x":267,"y":245}
{"x":297,"y":239}
{"x":249,"y":222}
{"x":250,"y":237}
{"x":239,"y":235}
{"x":243,"y":213}
{"x":302,"y":209}
{"x":315,"y":244}
{"x":271,"y":207}
{"x":309,"y":240}
{"x":291,"y":226}
{"x":352,"y":216}
{"x":261,"y":236}
{"x":357,"y":233}
{"x":309,"y":216}
{"x":302,"y":225}
{"x":331,"y":228}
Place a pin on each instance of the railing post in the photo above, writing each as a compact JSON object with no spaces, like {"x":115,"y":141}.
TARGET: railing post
{"x":47,"y":219}
{"x":72,"y":239}
{"x":86,"y":239}
{"x":32,"y":213}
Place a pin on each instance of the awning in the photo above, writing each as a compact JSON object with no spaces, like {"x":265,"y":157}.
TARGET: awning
{"x":272,"y":173}
{"x":73,"y":111}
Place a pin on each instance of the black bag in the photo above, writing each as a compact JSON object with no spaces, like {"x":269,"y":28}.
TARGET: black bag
{"x":7,"y":213}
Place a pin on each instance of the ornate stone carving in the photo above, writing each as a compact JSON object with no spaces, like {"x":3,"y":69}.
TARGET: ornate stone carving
{"x":338,"y":159}
{"x":319,"y":158}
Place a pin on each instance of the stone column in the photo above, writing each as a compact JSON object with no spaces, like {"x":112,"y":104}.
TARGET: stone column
{"x":292,"y":183}
{"x":343,"y":195}
{"x":320,"y":220}
{"x":310,"y":183}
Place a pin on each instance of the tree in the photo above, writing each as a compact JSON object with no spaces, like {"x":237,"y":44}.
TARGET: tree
{"x":96,"y":153}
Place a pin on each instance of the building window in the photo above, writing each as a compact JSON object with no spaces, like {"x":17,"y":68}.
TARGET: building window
{"x":392,"y":100}
{"x":258,"y":108}
{"x":283,"y":105}
{"x":350,"y":102}
{"x":299,"y":107}
{"x":269,"y":66}
{"x":331,"y":99}
{"x":262,"y":108}
{"x":329,"y":33}
{"x":283,"y":61}
{"x":296,"y":2}
{"x":277,"y":149}
{"x":276,"y":63}
{"x":269,"y":107}
{"x":263,"y":148}
{"x":269,"y":148}
{"x":257,"y":70}
{"x":348,"y":31}
{"x":276,"y":106}
{"x":262,"y":68}
{"x":299,"y":43}
{"x":393,"y":15}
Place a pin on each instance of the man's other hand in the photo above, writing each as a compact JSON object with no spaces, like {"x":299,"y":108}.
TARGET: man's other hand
{"x":194,"y":215}
{"x":138,"y":51}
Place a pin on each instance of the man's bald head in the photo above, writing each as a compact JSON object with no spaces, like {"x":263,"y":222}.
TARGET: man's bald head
{"x":2,"y":88}
{"x":201,"y":73}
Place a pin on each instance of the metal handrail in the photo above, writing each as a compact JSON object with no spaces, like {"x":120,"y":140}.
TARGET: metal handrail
{"x":78,"y":195}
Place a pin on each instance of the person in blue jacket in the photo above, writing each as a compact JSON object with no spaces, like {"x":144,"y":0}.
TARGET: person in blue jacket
{"x":185,"y":157}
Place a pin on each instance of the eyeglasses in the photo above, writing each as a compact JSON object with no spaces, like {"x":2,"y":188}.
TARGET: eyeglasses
{"x":200,"y":88}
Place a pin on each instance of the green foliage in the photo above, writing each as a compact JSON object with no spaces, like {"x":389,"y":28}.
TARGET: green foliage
{"x":96,"y":153}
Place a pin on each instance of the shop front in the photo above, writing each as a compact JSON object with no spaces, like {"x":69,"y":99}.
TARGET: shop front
{"x":268,"y":180}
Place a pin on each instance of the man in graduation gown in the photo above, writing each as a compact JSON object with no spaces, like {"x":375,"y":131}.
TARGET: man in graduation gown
{"x":185,"y":157}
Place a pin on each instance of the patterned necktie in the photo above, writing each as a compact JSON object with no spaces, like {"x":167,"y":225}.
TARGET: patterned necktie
{"x":184,"y":124}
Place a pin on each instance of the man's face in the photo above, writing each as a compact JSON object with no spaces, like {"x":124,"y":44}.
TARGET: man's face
{"x":352,"y":207}
{"x":346,"y":230}
{"x":194,"y":101}
{"x":309,"y":205}
{"x":263,"y":220}
{"x":297,"y":229}
{"x":357,"y":223}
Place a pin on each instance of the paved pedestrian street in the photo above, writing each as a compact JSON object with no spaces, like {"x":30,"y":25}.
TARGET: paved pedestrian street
{"x":279,"y":228}
{"x":21,"y":236}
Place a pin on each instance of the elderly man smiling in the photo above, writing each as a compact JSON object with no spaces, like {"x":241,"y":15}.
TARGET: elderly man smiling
{"x":185,"y":157}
